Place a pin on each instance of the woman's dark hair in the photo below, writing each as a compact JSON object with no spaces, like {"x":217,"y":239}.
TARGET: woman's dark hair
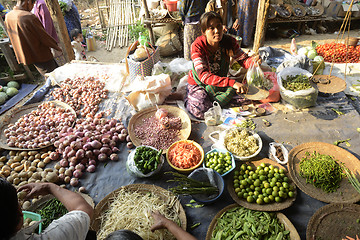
{"x":123,"y":235}
{"x":74,"y":33}
{"x":9,"y":208}
{"x":206,"y":18}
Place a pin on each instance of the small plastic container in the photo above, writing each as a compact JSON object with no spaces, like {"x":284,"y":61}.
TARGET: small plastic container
{"x":33,"y":216}
{"x":171,"y":6}
{"x":233,"y":164}
{"x":212,"y":177}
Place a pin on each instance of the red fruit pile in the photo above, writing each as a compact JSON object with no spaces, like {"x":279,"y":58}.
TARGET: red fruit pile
{"x":339,"y":52}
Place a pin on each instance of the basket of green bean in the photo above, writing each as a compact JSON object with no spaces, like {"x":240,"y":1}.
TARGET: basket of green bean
{"x":145,"y":161}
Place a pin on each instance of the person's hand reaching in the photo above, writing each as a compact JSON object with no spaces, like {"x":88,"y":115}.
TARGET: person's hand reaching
{"x":240,"y":88}
{"x":34,"y":189}
{"x":159,"y":221}
{"x":236,"y":25}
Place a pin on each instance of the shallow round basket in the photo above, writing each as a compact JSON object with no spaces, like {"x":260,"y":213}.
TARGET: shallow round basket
{"x":210,"y":176}
{"x":105,"y":203}
{"x":334,"y":221}
{"x":271,"y":12}
{"x":186,"y":170}
{"x":301,"y":12}
{"x":288,"y":8}
{"x":294,"y":235}
{"x":17,"y":113}
{"x":318,"y":7}
{"x":144,"y":114}
{"x":346,"y":193}
{"x":275,"y":206}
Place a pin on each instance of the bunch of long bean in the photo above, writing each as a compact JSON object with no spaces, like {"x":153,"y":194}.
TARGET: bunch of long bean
{"x":52,"y":210}
{"x":322,"y":171}
{"x":241,"y":223}
{"x":352,"y":179}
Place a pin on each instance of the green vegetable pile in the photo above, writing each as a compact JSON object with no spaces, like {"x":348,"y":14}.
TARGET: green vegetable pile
{"x":147,"y":159}
{"x":241,"y":223}
{"x":265,"y":184}
{"x":52,"y":210}
{"x":220,"y":162}
{"x":322,"y":171}
{"x":8,"y":91}
{"x":296,"y":83}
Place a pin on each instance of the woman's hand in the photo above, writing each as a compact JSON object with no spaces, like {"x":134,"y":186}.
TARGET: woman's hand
{"x":257,"y":59}
{"x":240,"y":88}
{"x":35,"y":189}
{"x":159,"y":221}
{"x":236,"y":25}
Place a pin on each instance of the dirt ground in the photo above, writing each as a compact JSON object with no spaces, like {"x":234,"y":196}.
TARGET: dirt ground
{"x":90,"y":20}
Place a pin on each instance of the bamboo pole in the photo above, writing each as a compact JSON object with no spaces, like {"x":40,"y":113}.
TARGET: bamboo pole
{"x":262,"y":15}
{"x":100,"y":15}
{"x":61,"y":30}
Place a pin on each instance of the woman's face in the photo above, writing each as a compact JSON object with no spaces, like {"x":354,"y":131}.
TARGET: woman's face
{"x":214,"y":32}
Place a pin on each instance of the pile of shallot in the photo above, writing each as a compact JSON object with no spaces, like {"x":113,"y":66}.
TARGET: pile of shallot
{"x":82,"y":94}
{"x":40,"y":127}
{"x":92,"y":140}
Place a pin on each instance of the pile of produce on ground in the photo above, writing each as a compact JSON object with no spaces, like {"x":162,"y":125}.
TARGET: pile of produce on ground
{"x":184,"y":155}
{"x":82,"y":94}
{"x":296,"y":83}
{"x":322,"y":171}
{"x":265,"y":184}
{"x":159,"y":131}
{"x":241,"y":223}
{"x":241,"y":142}
{"x":339,"y":52}
{"x":132,"y":211}
{"x":8,"y":91}
{"x":40,"y":127}
{"x":220,"y":162}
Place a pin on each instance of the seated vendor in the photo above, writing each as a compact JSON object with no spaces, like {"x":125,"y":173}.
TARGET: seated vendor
{"x":211,"y":54}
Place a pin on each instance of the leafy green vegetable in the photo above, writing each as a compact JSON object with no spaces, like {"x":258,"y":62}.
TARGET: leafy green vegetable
{"x":296,"y":83}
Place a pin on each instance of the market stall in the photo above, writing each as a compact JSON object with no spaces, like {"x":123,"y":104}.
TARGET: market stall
{"x":318,"y":124}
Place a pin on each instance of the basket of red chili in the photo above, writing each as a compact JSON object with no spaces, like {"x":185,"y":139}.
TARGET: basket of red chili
{"x":185,"y":155}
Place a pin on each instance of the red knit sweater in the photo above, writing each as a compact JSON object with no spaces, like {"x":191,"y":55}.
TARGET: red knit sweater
{"x":200,"y":58}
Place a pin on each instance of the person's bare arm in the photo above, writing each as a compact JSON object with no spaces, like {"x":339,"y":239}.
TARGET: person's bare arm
{"x":161,"y":222}
{"x":71,"y":200}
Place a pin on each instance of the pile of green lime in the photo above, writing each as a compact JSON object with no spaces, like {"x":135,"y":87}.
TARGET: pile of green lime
{"x":218,"y":161}
{"x":263,"y":184}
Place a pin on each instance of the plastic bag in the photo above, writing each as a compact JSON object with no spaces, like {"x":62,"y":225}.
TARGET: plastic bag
{"x":274,"y":92}
{"x":272,"y":152}
{"x":255,"y":76}
{"x":300,"y":99}
{"x":132,"y":169}
{"x":150,"y":91}
{"x":213,"y":115}
{"x":319,"y":67}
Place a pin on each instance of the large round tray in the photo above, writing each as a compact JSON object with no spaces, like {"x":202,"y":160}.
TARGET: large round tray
{"x":149,"y":112}
{"x":334,"y":84}
{"x":265,"y":207}
{"x":345,"y":193}
{"x":19,"y":112}
{"x":294,"y":235}
{"x":334,"y":221}
{"x":104,"y":204}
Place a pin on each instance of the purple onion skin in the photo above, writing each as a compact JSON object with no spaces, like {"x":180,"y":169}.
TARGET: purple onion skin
{"x":102,"y":157}
{"x":114,"y":157}
{"x":91,"y":168}
{"x":96,"y":144}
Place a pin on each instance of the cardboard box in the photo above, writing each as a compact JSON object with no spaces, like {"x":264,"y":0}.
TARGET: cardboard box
{"x":345,"y":7}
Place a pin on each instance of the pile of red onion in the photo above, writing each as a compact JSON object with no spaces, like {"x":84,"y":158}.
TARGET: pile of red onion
{"x":82,"y":94}
{"x":92,"y":140}
{"x":40,"y":127}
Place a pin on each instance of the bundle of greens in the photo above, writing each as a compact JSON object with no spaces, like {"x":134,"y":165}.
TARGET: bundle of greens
{"x":188,"y":186}
{"x":296,"y":83}
{"x":322,"y":171}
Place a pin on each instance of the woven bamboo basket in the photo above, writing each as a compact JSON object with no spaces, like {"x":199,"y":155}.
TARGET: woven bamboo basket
{"x":271,"y":12}
{"x":299,"y":11}
{"x":280,"y":13}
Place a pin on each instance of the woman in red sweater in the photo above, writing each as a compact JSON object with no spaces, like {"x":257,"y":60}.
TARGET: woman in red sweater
{"x":211,"y":54}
